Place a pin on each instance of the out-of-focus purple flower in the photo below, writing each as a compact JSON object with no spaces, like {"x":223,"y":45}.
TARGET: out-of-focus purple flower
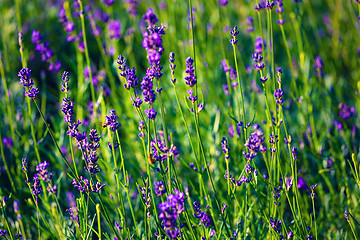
{"x":223,"y":2}
{"x":345,"y":111}
{"x":114,"y":29}
{"x":224,"y":65}
{"x":250,"y":24}
{"x":150,"y":17}
{"x":8,"y":142}
{"x":36,"y":37}
{"x":301,"y":184}
{"x":108,"y":2}
{"x":132,"y":8}
{"x":318,"y":66}
{"x":233,"y":74}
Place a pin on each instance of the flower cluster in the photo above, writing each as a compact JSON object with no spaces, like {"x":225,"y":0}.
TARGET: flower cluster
{"x":204,"y":219}
{"x":151,"y":113}
{"x":172,"y":66}
{"x":146,"y":197}
{"x":160,"y":189}
{"x":346,"y":112}
{"x":160,"y":152}
{"x":190,"y":78}
{"x":72,"y":210}
{"x":250,"y":24}
{"x":45,"y":176}
{"x":110,"y":121}
{"x":127,"y":73}
{"x":114,"y":29}
{"x":225,"y":148}
{"x":170,"y":213}
{"x":153,"y":43}
{"x":279,"y":10}
{"x":28,"y":83}
{"x":254,"y":144}
{"x":68,"y":26}
{"x":84,"y":185}
{"x":312,"y":194}
{"x":278,"y":95}
{"x":318,"y":66}
{"x":277,"y":195}
{"x":234,"y":32}
{"x":223,"y":2}
{"x":46,"y":53}
{"x":90,"y":155}
{"x":273,"y":140}
{"x":148,"y":91}
{"x":258,"y":58}
{"x":132,"y":7}
{"x":276,"y":226}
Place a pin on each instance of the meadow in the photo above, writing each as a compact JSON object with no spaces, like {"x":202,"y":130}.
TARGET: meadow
{"x":165,"y":119}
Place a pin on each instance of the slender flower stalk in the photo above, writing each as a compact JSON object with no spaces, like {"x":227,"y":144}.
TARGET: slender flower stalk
{"x":92,"y":88}
{"x":234,"y":32}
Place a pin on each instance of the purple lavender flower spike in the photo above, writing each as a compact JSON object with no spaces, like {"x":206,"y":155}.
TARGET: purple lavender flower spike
{"x":111,"y":121}
{"x":234,"y":32}
{"x":151,"y":113}
{"x":190,"y":78}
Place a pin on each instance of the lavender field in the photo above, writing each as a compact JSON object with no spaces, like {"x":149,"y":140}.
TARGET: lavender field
{"x":179,"y":119}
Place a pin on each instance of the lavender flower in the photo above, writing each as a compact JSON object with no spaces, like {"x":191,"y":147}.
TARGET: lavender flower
{"x":148,"y":91}
{"x":27,"y":82}
{"x":130,"y":76}
{"x":36,"y":186}
{"x":225,"y":148}
{"x":25,"y":77}
{"x":170,"y":213}
{"x":312,"y":195}
{"x":190,"y":78}
{"x":65,"y":84}
{"x":151,"y":113}
{"x":111,"y":121}
{"x":255,"y":144}
{"x":234,"y":32}
{"x":160,"y":189}
{"x":278,"y":95}
{"x":172,"y":67}
{"x":202,"y":216}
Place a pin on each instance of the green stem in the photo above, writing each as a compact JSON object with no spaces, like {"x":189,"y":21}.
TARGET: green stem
{"x":241,"y":93}
{"x":87,"y":55}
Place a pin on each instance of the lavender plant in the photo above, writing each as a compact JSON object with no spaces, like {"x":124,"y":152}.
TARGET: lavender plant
{"x":250,"y":131}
